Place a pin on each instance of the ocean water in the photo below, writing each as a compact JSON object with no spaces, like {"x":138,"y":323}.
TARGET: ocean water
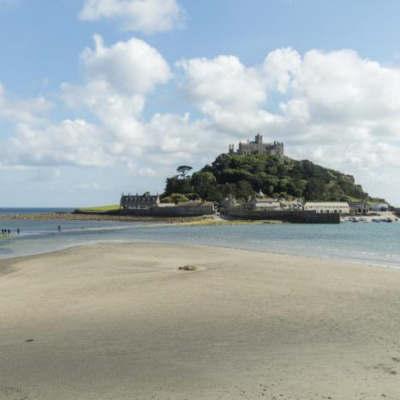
{"x":365,"y":243}
{"x":16,"y":211}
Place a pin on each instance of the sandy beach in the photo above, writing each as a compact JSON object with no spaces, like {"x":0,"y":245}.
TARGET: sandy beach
{"x":120,"y":321}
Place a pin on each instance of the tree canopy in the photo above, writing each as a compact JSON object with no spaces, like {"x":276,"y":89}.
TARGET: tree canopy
{"x":246,"y":175}
{"x":183,"y":170}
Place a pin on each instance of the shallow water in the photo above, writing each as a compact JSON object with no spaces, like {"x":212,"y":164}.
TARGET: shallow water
{"x":367,"y":243}
{"x":40,"y":210}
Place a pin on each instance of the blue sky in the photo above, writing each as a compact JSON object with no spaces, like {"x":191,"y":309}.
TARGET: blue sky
{"x":171,"y":82}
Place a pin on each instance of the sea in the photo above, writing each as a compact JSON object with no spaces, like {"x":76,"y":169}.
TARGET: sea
{"x":362,"y":243}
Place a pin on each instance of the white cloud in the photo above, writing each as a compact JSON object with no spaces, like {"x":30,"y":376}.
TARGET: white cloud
{"x":72,"y":142}
{"x":131,"y":67}
{"x":115,"y":94}
{"x":32,"y":111}
{"x":342,"y":86}
{"x":279,"y":68}
{"x":118,"y":113}
{"x":336,"y":108}
{"x":148,"y":16}
{"x":332,"y":97}
{"x":223,"y":83}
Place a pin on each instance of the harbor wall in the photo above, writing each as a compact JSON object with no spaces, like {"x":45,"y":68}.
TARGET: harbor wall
{"x":300,"y":217}
{"x":162,"y":212}
{"x":177,"y":211}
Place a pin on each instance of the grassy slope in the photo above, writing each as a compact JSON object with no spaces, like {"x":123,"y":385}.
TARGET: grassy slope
{"x":102,"y":208}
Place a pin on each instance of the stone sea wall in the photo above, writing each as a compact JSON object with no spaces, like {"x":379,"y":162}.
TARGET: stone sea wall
{"x":178,"y":211}
{"x":301,"y":217}
{"x":159,"y":212}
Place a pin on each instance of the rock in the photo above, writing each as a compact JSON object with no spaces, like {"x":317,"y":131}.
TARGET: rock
{"x":188,"y":268}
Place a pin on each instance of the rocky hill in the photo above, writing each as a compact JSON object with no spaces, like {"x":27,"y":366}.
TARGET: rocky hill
{"x":246,"y":175}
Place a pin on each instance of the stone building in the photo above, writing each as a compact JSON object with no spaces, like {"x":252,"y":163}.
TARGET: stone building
{"x":229,"y":202}
{"x":147,"y":205}
{"x":359,"y":207}
{"x":264,"y":204}
{"x":129,"y":202}
{"x":292,"y":205}
{"x":258,"y":147}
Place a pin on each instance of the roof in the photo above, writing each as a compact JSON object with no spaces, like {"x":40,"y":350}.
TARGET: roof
{"x":268,"y":204}
{"x":141,"y":196}
{"x":196,"y":203}
{"x":327,"y":203}
{"x":266,"y":201}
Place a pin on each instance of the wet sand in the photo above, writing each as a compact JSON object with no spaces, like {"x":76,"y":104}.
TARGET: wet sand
{"x":120,"y":321}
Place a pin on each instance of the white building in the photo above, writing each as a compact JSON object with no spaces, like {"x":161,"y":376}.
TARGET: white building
{"x":328,"y":207}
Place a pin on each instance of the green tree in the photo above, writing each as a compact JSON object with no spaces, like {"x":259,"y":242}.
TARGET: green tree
{"x":183,"y":170}
{"x":204,"y":184}
{"x":177,"y":185}
{"x":244,"y":175}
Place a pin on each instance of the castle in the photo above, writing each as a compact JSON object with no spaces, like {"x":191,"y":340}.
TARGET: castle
{"x":258,"y":147}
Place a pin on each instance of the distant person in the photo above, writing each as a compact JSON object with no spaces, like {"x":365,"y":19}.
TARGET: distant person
{"x":59,"y":228}
{"x":9,"y":232}
{"x":18,"y":231}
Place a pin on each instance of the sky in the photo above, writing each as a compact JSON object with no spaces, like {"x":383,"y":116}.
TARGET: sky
{"x":103,"y":97}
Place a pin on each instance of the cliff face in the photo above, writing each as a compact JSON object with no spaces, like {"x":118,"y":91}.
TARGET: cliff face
{"x":245,"y":175}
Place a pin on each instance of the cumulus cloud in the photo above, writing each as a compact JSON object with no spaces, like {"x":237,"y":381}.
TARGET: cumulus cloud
{"x":131,"y":67}
{"x":223,"y":83}
{"x":31,"y":111}
{"x":331,"y":97}
{"x":118,"y":80}
{"x":118,"y":113}
{"x":334,"y":108}
{"x":148,"y":16}
{"x":162,"y":141}
{"x":72,"y":142}
{"x":342,"y":86}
